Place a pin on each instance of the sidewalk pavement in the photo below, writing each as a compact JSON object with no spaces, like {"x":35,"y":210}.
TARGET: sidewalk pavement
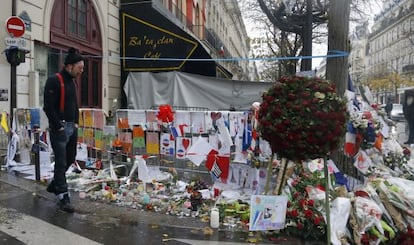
{"x":180,"y":230}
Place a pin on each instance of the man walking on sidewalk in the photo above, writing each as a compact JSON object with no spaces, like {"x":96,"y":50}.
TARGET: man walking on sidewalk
{"x":61,"y":108}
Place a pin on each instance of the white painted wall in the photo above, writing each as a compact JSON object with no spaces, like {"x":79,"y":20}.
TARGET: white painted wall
{"x":5,"y":12}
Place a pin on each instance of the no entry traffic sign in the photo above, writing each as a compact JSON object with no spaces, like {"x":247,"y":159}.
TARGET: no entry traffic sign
{"x":15,"y":26}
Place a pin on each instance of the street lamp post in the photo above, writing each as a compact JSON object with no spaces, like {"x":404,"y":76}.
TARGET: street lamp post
{"x":13,"y":76}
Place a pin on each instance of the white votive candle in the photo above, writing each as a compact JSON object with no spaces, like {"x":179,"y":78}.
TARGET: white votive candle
{"x":214,"y":218}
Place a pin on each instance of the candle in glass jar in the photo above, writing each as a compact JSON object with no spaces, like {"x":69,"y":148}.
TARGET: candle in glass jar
{"x":214,"y":218}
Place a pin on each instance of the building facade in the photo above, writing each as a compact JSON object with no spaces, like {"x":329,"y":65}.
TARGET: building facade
{"x":391,"y":42}
{"x":386,"y":51}
{"x":358,"y":54}
{"x":92,"y":26}
{"x":392,"y":38}
{"x":227,"y":38}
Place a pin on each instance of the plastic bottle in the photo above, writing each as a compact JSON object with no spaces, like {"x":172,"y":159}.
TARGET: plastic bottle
{"x":214,"y":218}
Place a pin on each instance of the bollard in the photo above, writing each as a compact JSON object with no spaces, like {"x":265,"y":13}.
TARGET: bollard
{"x":36,"y":151}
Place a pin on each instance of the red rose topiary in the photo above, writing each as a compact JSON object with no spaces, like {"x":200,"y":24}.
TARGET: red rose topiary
{"x":302,"y":118}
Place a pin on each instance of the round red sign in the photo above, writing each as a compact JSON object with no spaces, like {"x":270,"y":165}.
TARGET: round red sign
{"x":15,"y":26}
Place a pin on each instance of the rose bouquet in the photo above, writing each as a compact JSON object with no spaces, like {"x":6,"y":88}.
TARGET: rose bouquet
{"x":366,"y":128}
{"x":383,"y":211}
{"x":304,"y":218}
{"x":302,"y":118}
{"x":398,"y":164}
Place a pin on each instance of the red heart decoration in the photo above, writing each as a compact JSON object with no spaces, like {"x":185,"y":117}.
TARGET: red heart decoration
{"x":215,"y":116}
{"x":186,"y":143}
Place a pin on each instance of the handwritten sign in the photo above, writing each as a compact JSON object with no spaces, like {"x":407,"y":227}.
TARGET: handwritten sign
{"x":267,"y":212}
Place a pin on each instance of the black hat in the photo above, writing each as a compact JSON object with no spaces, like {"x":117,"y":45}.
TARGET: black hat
{"x":73,"y":57}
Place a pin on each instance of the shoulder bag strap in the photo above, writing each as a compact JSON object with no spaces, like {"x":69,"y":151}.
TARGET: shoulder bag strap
{"x":62,"y":92}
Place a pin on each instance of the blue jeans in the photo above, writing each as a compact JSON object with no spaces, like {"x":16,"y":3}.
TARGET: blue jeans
{"x":64,"y":144}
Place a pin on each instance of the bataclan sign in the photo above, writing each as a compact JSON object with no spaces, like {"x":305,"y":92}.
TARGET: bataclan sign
{"x":147,"y":47}
{"x":154,"y":41}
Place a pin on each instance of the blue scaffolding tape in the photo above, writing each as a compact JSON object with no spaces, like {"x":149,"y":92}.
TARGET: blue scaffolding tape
{"x":331,"y":54}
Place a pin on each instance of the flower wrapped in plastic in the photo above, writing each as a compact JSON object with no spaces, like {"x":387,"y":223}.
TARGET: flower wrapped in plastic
{"x":366,"y":127}
{"x":400,"y":193}
{"x":397,"y":198}
{"x":366,"y":216}
{"x":304,"y":215}
{"x":340,"y":210}
{"x":391,"y":160}
{"x":392,"y":214}
{"x":398,"y":164}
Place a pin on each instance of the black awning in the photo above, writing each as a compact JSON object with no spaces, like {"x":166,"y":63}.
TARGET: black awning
{"x":151,"y":42}
{"x":222,"y":72}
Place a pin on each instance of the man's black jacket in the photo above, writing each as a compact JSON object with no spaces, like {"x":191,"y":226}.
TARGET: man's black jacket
{"x":52,"y":95}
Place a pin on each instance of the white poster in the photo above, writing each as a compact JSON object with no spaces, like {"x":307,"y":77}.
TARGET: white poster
{"x":267,"y":212}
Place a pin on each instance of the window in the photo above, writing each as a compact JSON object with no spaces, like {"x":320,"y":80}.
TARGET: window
{"x":53,"y":61}
{"x":77,"y":18}
{"x":46,"y":64}
{"x":89,"y":93}
{"x":198,"y":26}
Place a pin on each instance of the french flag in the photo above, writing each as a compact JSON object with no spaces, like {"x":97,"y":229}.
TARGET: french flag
{"x":218,"y":166}
{"x":350,"y":147}
{"x":178,"y":131}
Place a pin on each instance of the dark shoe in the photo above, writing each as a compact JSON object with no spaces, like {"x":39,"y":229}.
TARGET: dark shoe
{"x":77,"y":171}
{"x":65,"y":204}
{"x":51,"y":187}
